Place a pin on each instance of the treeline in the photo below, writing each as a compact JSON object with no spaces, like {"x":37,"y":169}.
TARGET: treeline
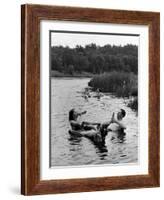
{"x":94,"y":59}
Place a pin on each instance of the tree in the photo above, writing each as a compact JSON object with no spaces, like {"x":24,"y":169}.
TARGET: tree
{"x":95,"y":59}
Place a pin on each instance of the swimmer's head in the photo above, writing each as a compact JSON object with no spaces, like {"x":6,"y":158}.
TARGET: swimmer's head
{"x":121,"y":114}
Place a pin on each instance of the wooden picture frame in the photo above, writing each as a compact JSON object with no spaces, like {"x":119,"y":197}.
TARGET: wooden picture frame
{"x":31,"y":16}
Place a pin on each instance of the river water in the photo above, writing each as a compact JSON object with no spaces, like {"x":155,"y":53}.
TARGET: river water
{"x":66,"y":150}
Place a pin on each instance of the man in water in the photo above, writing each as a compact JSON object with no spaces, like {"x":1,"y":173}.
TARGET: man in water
{"x":100,"y":134}
{"x":117,"y":121}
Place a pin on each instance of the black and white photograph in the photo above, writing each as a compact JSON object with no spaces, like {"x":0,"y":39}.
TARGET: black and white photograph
{"x":93,"y":98}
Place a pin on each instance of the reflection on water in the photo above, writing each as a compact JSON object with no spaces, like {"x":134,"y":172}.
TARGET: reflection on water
{"x":67,"y":150}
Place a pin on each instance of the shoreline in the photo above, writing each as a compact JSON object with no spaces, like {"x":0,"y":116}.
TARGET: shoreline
{"x":58,"y":74}
{"x":71,"y":77}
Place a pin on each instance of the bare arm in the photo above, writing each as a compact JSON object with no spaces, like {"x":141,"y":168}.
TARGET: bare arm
{"x":106,"y":124}
{"x":82,"y":113}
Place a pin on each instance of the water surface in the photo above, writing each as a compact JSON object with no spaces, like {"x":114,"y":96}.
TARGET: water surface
{"x":67,"y":93}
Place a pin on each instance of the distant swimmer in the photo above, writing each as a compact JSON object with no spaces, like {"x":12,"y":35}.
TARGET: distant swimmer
{"x":98,"y":94}
{"x":86,"y":93}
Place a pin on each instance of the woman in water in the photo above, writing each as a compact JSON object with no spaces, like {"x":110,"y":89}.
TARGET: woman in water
{"x":75,"y":125}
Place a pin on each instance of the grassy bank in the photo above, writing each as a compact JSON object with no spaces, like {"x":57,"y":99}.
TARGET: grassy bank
{"x":133,"y":104}
{"x":121,"y":84}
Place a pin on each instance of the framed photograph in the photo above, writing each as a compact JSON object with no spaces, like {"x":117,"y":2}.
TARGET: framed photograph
{"x":90,"y":99}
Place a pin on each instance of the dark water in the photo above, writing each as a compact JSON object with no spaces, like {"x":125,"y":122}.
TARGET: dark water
{"x":67,"y":93}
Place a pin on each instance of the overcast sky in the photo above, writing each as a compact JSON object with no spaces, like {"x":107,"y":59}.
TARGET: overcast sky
{"x":73,"y":39}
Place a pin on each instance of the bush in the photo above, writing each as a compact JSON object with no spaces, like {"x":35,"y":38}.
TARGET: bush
{"x":133,"y":104}
{"x":121,"y":84}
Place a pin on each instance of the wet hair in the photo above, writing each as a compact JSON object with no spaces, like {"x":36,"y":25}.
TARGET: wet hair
{"x":71,"y":114}
{"x":123,"y":112}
